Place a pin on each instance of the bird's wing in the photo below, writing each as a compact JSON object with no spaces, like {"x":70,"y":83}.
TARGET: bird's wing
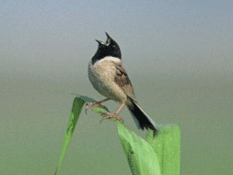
{"x":124,"y":82}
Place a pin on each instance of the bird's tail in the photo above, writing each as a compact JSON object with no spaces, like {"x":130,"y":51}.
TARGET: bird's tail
{"x":141,"y":119}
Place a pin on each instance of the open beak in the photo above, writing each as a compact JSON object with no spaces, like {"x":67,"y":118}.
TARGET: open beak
{"x":108,"y":38}
{"x":107,"y":41}
{"x":99,"y":42}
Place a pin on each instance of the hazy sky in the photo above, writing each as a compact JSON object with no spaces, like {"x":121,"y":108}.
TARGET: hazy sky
{"x":40,"y":37}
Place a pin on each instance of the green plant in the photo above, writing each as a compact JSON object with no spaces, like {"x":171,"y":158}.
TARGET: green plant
{"x":157,"y":155}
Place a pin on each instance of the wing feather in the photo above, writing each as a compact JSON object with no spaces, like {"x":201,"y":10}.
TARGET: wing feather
{"x":122,"y":79}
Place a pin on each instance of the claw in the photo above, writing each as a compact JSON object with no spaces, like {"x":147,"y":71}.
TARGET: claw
{"x":109,"y":116}
{"x":86,"y":109}
{"x":92,"y":105}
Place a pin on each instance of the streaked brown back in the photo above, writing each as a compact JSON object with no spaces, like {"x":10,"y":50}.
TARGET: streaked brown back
{"x":124,"y":82}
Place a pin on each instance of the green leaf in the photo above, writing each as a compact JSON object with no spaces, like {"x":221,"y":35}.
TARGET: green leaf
{"x":167,"y":146}
{"x":75,"y":113}
{"x":154,"y":156}
{"x":141,"y":157}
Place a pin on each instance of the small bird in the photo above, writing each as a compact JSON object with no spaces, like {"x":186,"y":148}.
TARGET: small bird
{"x":110,"y":79}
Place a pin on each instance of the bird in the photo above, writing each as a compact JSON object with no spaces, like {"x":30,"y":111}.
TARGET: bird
{"x":108,"y":76}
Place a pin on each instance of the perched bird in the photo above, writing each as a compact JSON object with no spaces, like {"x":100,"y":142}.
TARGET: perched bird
{"x":110,"y":79}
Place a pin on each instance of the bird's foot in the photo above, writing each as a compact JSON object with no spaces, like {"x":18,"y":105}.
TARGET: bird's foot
{"x":108,"y":115}
{"x":94,"y":104}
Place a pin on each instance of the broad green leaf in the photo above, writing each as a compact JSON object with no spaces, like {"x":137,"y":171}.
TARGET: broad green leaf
{"x":167,"y":146}
{"x":74,"y":116}
{"x":141,"y":157}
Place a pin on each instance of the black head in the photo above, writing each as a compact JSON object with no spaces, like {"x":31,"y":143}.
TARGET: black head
{"x":109,"y":48}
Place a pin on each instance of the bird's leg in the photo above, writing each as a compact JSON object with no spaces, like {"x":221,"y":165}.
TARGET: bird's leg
{"x":96,"y":104}
{"x":120,"y":108}
{"x":115,"y":115}
{"x":104,"y":100}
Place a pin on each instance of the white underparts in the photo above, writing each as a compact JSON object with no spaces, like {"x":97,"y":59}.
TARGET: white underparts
{"x":110,"y":58}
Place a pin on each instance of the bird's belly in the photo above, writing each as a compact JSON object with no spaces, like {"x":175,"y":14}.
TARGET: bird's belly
{"x":102,"y":77}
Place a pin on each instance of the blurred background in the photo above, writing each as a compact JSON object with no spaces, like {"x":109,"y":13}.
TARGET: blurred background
{"x":178,"y":55}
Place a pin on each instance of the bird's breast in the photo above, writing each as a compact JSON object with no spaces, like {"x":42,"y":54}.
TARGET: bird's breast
{"x":102,"y":77}
{"x":102,"y":71}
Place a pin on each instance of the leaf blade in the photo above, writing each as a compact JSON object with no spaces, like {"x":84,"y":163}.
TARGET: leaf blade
{"x":74,"y":116}
{"x":167,"y":146}
{"x":140,"y":155}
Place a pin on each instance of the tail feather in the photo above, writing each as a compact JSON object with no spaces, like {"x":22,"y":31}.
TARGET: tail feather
{"x":141,"y":119}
